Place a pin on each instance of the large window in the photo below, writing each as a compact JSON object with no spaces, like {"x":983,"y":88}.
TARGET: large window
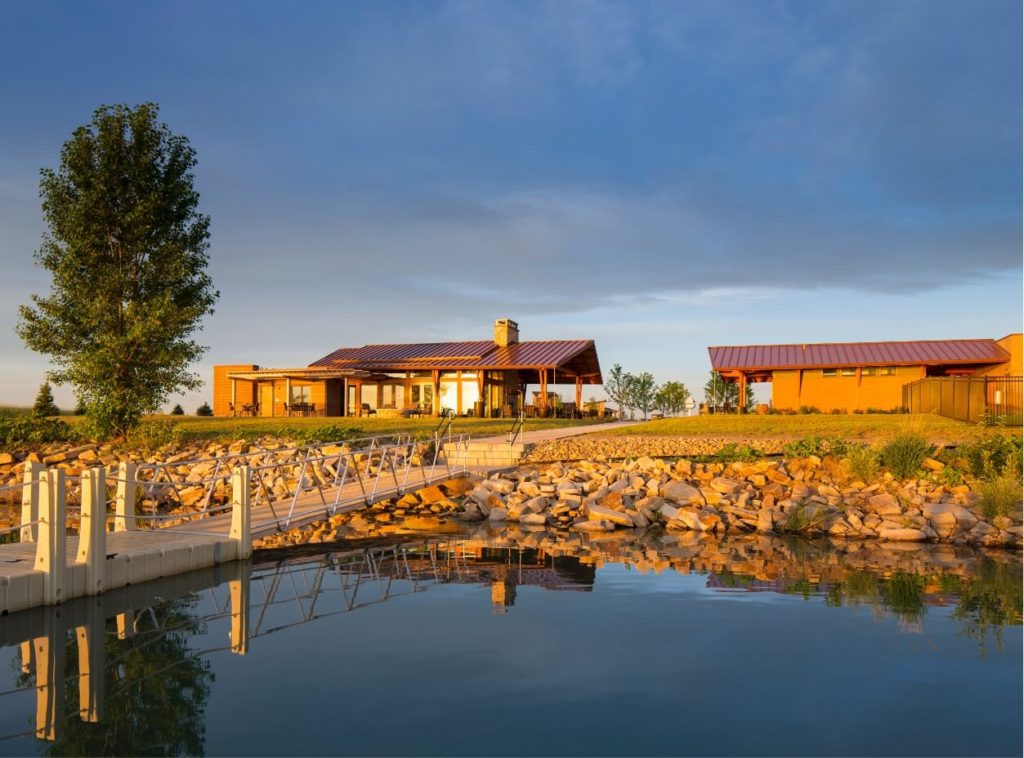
{"x":300,"y":393}
{"x":887,"y":371}
{"x":828,"y":372}
{"x":847,"y":372}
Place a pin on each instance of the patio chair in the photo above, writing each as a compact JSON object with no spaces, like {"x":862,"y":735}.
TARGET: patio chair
{"x":368,"y":411}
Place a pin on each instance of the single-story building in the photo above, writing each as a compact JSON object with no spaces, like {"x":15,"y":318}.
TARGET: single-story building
{"x":848,"y":376}
{"x":484,"y":377}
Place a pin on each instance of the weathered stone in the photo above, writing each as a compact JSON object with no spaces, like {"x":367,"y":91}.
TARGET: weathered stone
{"x":498,"y":514}
{"x":682,"y":493}
{"x":725,"y":486}
{"x":431,"y":494}
{"x":902,"y":534}
{"x":599,"y":512}
{"x":533,"y":518}
{"x":884,"y":504}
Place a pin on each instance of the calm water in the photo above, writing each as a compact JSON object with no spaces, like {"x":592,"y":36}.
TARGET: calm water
{"x":533,"y":645}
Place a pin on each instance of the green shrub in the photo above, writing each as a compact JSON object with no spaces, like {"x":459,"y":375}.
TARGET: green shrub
{"x":1000,"y":495}
{"x":809,"y":409}
{"x":904,"y":454}
{"x":819,"y":446}
{"x":990,"y":455}
{"x":733,"y":452}
{"x":327,"y":433}
{"x":204,"y":410}
{"x":177,"y":410}
{"x":863,"y":461}
{"x":33,"y":430}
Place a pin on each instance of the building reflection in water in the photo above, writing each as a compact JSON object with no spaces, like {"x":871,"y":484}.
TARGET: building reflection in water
{"x":119,"y":673}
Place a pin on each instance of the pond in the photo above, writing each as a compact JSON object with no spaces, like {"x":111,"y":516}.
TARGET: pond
{"x":534,"y":643}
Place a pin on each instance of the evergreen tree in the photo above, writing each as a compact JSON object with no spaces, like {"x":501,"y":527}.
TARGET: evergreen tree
{"x":177,"y":410}
{"x":127,"y":251}
{"x":204,"y":410}
{"x":44,"y":405}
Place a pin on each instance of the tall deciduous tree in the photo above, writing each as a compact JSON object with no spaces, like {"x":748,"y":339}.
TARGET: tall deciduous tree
{"x":671,"y":398}
{"x":618,"y":388}
{"x":642,"y":393}
{"x":724,"y":396}
{"x":127,"y":249}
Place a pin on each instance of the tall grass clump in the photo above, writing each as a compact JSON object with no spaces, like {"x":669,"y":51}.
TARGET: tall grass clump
{"x":904,"y":454}
{"x":988,"y":456}
{"x":1000,"y":495}
{"x":863,"y":461}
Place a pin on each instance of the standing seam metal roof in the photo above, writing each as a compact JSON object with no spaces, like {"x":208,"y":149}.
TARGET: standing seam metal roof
{"x":923,"y":352}
{"x":442,"y":355}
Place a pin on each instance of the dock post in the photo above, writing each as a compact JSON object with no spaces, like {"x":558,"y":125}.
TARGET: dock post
{"x":92,"y":534}
{"x":30,"y":500}
{"x":52,"y":547}
{"x":124,"y":508}
{"x":241,"y":515}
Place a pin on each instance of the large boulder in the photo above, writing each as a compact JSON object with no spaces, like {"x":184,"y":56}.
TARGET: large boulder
{"x":682,"y":493}
{"x":884,"y":504}
{"x":599,"y":512}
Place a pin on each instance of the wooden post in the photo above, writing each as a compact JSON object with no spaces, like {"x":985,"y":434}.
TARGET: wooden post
{"x":92,"y":533}
{"x":126,"y":625}
{"x":287,"y":396}
{"x":344,"y":396}
{"x":481,"y":380}
{"x":579,"y":395}
{"x":241,"y":515}
{"x":240,"y":612}
{"x":741,"y":398}
{"x":51,"y":549}
{"x":543,"y":389}
{"x":30,"y":500}
{"x":436,"y":378}
{"x":234,"y":397}
{"x":90,"y":668}
{"x":458,"y":393}
{"x":124,"y":503}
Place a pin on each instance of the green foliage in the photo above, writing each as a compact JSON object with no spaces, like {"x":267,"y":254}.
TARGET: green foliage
{"x":328,"y":433}
{"x":156,"y":433}
{"x":177,"y":410}
{"x":809,"y":409}
{"x":819,"y":446}
{"x":618,"y":386}
{"x":127,"y":251}
{"x":988,"y":456}
{"x":1000,"y":495}
{"x":904,"y":454}
{"x":724,"y":396}
{"x":80,"y":409}
{"x":732,"y":451}
{"x":204,"y":410}
{"x":44,"y":405}
{"x":863,"y":461}
{"x":643,"y":393}
{"x":950,"y":476}
{"x":671,"y":398}
{"x":801,"y":517}
{"x":35,"y":430}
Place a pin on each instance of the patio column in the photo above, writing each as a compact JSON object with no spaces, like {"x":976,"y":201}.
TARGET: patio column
{"x":579,"y":394}
{"x":480,"y":382}
{"x":741,"y":398}
{"x":543,"y":403}
{"x":359,"y":399}
{"x":458,"y":392}
{"x":287,"y":395}
{"x":234,"y":397}
{"x":344,"y":396}
{"x":436,"y":377}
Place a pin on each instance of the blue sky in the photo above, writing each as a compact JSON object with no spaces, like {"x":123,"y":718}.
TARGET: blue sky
{"x":657,"y":176}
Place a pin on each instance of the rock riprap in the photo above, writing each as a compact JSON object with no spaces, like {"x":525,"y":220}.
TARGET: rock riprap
{"x":808,"y":496}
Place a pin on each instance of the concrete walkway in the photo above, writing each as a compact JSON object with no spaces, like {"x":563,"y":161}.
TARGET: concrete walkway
{"x":545,"y":435}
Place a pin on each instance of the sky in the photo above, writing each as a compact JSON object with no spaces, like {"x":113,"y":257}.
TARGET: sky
{"x":658,"y":177}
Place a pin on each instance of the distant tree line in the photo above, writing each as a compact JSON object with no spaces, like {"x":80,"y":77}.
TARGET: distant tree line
{"x":639,"y":392}
{"x":634,"y":393}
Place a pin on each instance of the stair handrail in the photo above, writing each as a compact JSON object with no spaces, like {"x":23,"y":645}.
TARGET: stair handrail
{"x":516,"y":429}
{"x":444,"y":425}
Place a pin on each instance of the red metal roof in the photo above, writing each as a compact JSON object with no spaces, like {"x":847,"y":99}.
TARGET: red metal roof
{"x":846,"y":354}
{"x":450,"y":356}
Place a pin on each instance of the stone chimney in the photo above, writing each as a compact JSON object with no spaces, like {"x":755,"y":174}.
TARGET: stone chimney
{"x":506,"y":332}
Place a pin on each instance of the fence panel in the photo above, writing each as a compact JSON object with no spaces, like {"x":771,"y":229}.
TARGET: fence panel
{"x":970,"y":398}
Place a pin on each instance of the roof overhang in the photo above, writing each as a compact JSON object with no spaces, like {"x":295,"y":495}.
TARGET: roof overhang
{"x":302,"y":374}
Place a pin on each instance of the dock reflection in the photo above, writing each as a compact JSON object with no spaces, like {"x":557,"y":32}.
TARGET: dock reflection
{"x":120,"y":673}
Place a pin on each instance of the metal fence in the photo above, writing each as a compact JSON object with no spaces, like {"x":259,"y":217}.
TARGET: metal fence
{"x":989,"y":399}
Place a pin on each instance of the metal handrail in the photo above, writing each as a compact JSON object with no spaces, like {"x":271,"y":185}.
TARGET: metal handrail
{"x":516,"y":429}
{"x":445,"y":424}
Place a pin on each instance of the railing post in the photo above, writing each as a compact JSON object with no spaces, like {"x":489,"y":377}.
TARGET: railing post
{"x":241,"y":515}
{"x":90,"y":668}
{"x":92,"y":534}
{"x":30,"y":500}
{"x":51,"y":549}
{"x":124,"y":508}
{"x":240,"y":612}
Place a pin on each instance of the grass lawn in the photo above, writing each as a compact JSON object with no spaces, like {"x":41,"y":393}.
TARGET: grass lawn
{"x":853,"y":426}
{"x":196,"y":428}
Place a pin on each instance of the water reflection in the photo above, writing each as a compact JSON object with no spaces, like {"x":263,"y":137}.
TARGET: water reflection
{"x":129,"y":672}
